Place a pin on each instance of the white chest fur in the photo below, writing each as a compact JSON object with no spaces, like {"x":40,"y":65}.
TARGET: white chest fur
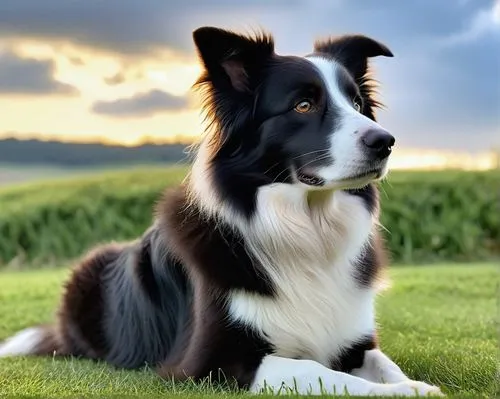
{"x":308,"y":250}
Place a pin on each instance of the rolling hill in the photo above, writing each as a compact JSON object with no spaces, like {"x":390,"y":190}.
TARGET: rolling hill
{"x":65,"y":154}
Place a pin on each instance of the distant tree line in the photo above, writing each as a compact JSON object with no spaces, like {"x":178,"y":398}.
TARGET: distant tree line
{"x":87,"y":154}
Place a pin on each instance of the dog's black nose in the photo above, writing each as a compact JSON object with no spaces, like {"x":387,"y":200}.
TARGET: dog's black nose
{"x":378,"y":142}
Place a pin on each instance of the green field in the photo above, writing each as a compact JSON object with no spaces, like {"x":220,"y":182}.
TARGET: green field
{"x":14,"y":175}
{"x":427,"y":216}
{"x":437,"y":322}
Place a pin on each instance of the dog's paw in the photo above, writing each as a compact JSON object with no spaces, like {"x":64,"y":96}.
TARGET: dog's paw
{"x":415,"y":388}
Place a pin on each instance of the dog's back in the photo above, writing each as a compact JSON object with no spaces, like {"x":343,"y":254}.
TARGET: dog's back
{"x":124,"y":303}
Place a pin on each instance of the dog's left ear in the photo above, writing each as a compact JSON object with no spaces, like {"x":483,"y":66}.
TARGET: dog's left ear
{"x":230,"y":59}
{"x":353,"y":51}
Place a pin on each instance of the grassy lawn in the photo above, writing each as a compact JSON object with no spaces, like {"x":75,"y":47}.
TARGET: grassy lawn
{"x":437,"y":322}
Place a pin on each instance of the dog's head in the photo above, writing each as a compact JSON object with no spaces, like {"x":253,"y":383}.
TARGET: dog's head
{"x":286,"y":119}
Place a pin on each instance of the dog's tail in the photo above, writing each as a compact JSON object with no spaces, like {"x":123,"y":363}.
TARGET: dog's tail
{"x":33,"y":341}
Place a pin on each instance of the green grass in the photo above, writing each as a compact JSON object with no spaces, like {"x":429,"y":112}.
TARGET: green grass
{"x":437,"y":322}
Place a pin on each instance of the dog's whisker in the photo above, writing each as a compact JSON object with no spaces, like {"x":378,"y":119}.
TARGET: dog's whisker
{"x":325,"y":156}
{"x":297,"y":157}
{"x":312,"y":161}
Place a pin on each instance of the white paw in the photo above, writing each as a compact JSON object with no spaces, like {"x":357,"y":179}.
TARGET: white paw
{"x":415,"y":388}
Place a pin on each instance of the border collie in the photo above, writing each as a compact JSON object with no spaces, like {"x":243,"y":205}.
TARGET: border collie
{"x":262,"y":267}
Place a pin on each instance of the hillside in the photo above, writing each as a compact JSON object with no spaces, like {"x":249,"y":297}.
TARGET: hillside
{"x":37,"y":152}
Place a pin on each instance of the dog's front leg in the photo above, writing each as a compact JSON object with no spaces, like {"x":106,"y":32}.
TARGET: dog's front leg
{"x":378,"y":367}
{"x":283,"y":375}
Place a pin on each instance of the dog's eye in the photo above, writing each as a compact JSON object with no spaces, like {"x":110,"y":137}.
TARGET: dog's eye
{"x":303,"y":106}
{"x":356,"y":102}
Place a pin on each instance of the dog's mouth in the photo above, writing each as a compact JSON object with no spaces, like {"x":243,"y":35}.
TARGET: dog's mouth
{"x":310,"y":179}
{"x":373,"y":173}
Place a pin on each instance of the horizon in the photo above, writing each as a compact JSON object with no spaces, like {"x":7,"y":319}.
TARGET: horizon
{"x":401,"y":159}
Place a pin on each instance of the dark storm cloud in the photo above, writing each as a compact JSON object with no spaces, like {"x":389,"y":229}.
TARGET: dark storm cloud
{"x":128,"y":26}
{"x":138,"y":25}
{"x":29,"y":76}
{"x":441,"y":88}
{"x":140,"y":105}
{"x":445,"y":97}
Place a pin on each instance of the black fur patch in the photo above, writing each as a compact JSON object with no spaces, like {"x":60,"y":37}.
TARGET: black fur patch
{"x":217,"y":251}
{"x":228,"y":353}
{"x":216,"y":260}
{"x":145,"y":316}
{"x":370,"y":195}
{"x":370,"y":263}
{"x":145,"y":273}
{"x":353,"y":357}
{"x":82,"y":310}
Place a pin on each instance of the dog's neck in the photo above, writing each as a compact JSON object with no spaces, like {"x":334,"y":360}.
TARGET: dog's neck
{"x":290,"y":220}
{"x":204,"y":193}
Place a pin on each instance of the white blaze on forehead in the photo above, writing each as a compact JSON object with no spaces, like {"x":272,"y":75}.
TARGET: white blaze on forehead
{"x":330,"y":73}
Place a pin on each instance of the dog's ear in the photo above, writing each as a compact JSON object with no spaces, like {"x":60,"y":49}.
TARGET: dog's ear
{"x":231,"y":59}
{"x":353,"y":51}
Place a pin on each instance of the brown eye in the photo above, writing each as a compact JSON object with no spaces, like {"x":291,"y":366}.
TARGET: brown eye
{"x":303,"y":107}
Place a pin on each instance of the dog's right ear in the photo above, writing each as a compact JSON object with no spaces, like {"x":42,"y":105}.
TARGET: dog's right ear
{"x":231,"y":59}
{"x":353,"y":51}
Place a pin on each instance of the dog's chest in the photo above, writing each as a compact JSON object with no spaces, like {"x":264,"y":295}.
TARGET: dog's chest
{"x":319,"y":308}
{"x":313,"y":317}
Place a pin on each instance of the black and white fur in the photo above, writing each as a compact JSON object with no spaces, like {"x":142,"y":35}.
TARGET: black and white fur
{"x":263,"y":267}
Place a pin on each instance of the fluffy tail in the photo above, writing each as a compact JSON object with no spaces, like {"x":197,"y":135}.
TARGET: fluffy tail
{"x":35,"y":341}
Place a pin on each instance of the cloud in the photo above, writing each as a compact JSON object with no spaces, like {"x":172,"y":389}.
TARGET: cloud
{"x":123,"y":26}
{"x":76,"y":61}
{"x":140,"y":105}
{"x":116,"y":79}
{"x":484,"y":22}
{"x":444,"y":97}
{"x":30,"y":77}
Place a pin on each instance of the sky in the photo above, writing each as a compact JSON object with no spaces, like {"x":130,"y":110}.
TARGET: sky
{"x":121,"y":70}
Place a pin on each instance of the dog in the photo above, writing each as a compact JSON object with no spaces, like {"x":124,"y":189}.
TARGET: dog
{"x":262,"y":267}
